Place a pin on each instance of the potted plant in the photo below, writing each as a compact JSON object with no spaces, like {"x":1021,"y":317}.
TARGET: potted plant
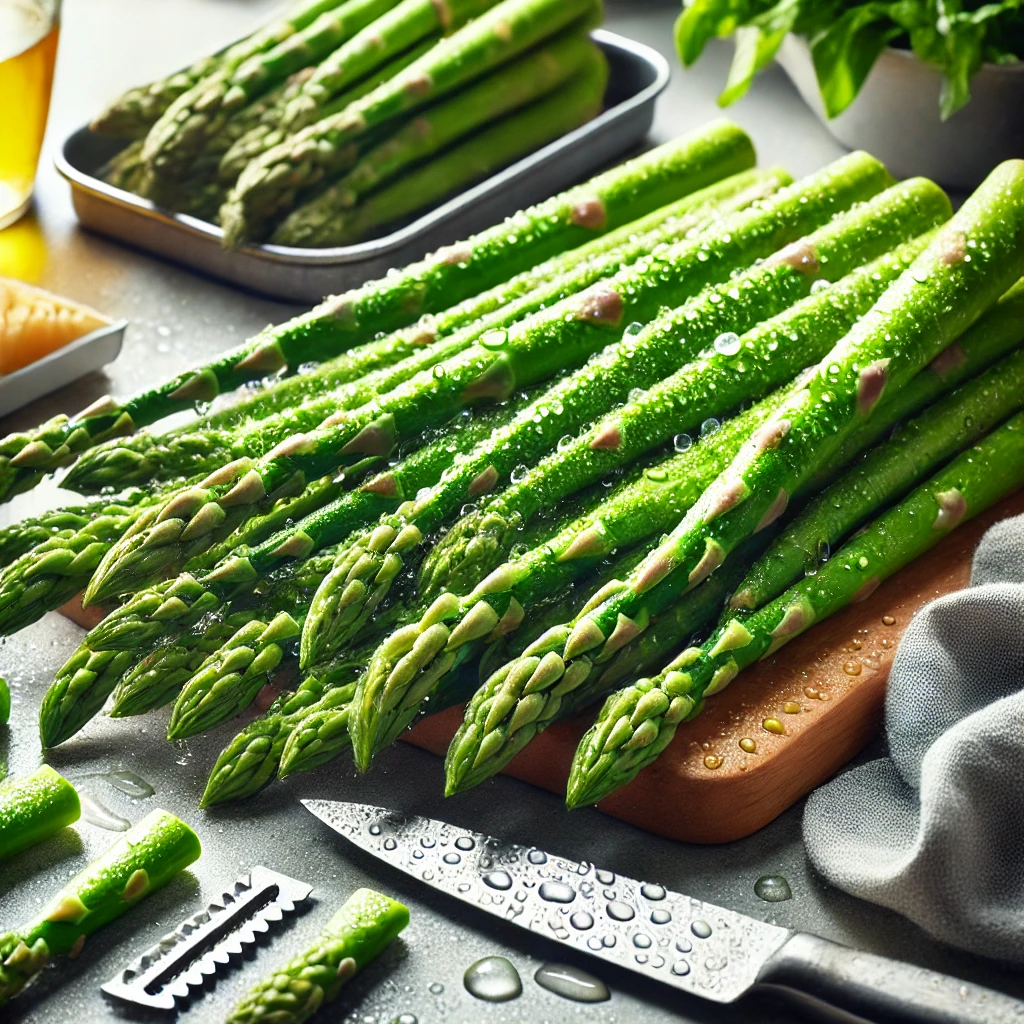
{"x":931,"y":87}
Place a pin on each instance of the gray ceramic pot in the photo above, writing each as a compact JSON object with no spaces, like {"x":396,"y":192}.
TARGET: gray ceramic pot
{"x":896,"y":116}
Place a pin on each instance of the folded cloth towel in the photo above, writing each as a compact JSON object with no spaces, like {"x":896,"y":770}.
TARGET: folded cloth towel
{"x":936,"y":830}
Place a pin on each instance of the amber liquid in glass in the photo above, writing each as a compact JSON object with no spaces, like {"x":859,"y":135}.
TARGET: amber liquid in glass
{"x":28,"y":50}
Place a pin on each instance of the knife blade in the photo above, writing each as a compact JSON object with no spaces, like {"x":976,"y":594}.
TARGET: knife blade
{"x":678,"y":940}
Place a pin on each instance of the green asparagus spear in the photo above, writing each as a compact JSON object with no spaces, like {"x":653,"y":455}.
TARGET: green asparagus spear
{"x":141,"y":861}
{"x":327,"y":220}
{"x":972,"y":260}
{"x":359,"y":932}
{"x":269,"y":185}
{"x":136,"y":111}
{"x":561,"y":337}
{"x":5,"y":710}
{"x":497,"y":309}
{"x":197,"y":115}
{"x":445,"y":278}
{"x":733,"y":370}
{"x":637,"y":723}
{"x":268,"y":132}
{"x":513,"y":85}
{"x":640,"y":359}
{"x":125,"y":169}
{"x":33,"y":808}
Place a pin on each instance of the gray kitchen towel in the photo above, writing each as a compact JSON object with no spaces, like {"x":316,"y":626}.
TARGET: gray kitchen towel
{"x":936,"y":830}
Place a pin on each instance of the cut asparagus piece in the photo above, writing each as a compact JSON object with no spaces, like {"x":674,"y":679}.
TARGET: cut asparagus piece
{"x":969,"y":264}
{"x":637,"y":723}
{"x":445,"y":278}
{"x":196,"y":116}
{"x":141,"y":861}
{"x":132,"y":114}
{"x":270,"y":184}
{"x":33,"y":808}
{"x":512,"y":86}
{"x":359,"y":932}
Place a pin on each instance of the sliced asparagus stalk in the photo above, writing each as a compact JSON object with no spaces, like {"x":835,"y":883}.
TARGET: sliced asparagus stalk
{"x":33,"y":808}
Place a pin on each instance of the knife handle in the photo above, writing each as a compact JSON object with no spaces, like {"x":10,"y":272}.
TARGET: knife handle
{"x":878,"y":989}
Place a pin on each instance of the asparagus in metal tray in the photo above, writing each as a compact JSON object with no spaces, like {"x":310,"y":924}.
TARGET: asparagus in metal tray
{"x":142,"y":860}
{"x":358,"y":932}
{"x":270,"y":184}
{"x":205,"y":449}
{"x":328,"y":220}
{"x":559,"y":338}
{"x":511,"y":86}
{"x":638,"y":360}
{"x":197,"y":115}
{"x":132,"y":114}
{"x":33,"y":808}
{"x":637,"y":723}
{"x":973,"y":259}
{"x":443,"y":279}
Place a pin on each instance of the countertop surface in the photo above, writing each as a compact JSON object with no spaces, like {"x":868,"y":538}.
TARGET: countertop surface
{"x":176,"y":318}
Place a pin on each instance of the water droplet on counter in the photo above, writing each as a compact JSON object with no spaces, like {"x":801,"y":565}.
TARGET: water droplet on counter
{"x":464,"y":843}
{"x":435,"y":988}
{"x":701,"y":929}
{"x":557,"y":892}
{"x":581,"y":921}
{"x":620,"y":911}
{"x":773,"y":889}
{"x":642,"y":941}
{"x":498,"y":880}
{"x":571,"y":983}
{"x":681,"y":968}
{"x":660,"y":917}
{"x":493,"y":979}
{"x":888,"y":620}
{"x":97,"y":814}
{"x":684,"y":945}
{"x":406,"y":1018}
{"x":452,"y":858}
{"x":653,"y":892}
{"x":129,"y":783}
{"x":713,"y":762}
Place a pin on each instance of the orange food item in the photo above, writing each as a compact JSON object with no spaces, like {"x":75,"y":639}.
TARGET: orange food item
{"x":34,"y":323}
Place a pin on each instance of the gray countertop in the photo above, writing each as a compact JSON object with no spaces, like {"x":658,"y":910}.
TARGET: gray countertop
{"x":176,"y":317}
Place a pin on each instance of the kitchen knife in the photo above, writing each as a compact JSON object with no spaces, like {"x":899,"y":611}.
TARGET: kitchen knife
{"x":696,"y":947}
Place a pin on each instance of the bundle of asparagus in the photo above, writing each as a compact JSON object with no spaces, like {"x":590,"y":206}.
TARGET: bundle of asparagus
{"x":348,"y":115}
{"x":622,"y":410}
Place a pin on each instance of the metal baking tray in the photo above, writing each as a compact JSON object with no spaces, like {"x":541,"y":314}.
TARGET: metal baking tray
{"x":74,"y":360}
{"x":638,"y":76}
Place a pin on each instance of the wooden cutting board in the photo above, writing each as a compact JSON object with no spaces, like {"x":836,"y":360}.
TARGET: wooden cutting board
{"x":808,"y":711}
{"x":825,"y":691}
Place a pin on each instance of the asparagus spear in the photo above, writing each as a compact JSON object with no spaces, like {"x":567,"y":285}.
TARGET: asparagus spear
{"x":132,"y":114}
{"x":197,"y":115}
{"x":359,"y":932}
{"x":269,"y":185}
{"x":33,"y":808}
{"x":511,"y":86}
{"x":637,"y":723}
{"x":446,"y":277}
{"x":324,"y":220}
{"x":640,"y":359}
{"x":560,"y":337}
{"x":972,"y":260}
{"x":141,"y":861}
{"x":883,"y":475}
{"x":269,"y":132}
{"x":731,"y":371}
{"x":497,"y":309}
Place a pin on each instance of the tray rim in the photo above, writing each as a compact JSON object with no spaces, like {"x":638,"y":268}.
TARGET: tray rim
{"x":421,"y":227}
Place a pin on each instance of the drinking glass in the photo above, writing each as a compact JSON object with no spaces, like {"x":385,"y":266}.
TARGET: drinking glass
{"x":28,"y":50}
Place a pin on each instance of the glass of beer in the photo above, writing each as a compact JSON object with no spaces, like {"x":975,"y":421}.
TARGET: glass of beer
{"x":28,"y":49}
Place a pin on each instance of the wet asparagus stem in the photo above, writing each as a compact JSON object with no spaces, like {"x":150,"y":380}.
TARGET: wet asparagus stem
{"x":196,"y":116}
{"x":480,"y":105}
{"x":637,"y":723}
{"x":443,"y":279}
{"x":33,"y":808}
{"x":359,"y":932}
{"x":141,"y":861}
{"x":269,"y":184}
{"x":971,"y":261}
{"x":132,"y":114}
